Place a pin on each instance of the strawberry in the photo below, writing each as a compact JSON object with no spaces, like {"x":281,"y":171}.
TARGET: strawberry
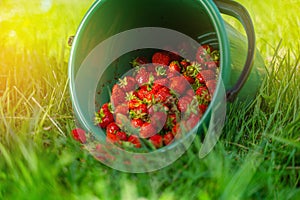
{"x":176,"y":130}
{"x":171,"y":121}
{"x":118,"y":95}
{"x":161,"y":58}
{"x":137,"y":123}
{"x":202,"y":108}
{"x":134,"y":140}
{"x":193,"y":69}
{"x":200,"y":78}
{"x":159,"y":83}
{"x":208,"y":74}
{"x":142,"y":108}
{"x":103,"y":117}
{"x":140,"y":111}
{"x":203,"y":94}
{"x":139,"y":61}
{"x":147,"y":130}
{"x":190,"y":92}
{"x":211,"y":85}
{"x":144,"y":93}
{"x":168,"y":138}
{"x":121,"y":136}
{"x":121,"y":109}
{"x":192,"y":121}
{"x":112,"y":138}
{"x":185,"y":64}
{"x":106,"y":107}
{"x":171,"y":74}
{"x":157,"y":86}
{"x":142,"y":76}
{"x":158,"y":119}
{"x":156,"y":140}
{"x":190,"y":79}
{"x":128,"y":83}
{"x":174,"y":66}
{"x":178,"y":84}
{"x":203,"y":53}
{"x":162,"y":95}
{"x":174,"y":55}
{"x":210,"y":65}
{"x":79,"y":135}
{"x":184,"y":103}
{"x":134,"y":103}
{"x":112,"y":128}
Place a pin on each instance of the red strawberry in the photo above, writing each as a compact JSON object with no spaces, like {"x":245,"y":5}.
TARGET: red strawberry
{"x":203,"y":53}
{"x":190,"y":92}
{"x":142,"y":76}
{"x":162,"y":95}
{"x":147,"y":130}
{"x":156,"y":140}
{"x":106,"y":107}
{"x":145,"y":93}
{"x":158,"y":119}
{"x":211,"y":85}
{"x":121,"y":135}
{"x":156,"y":86}
{"x":192,"y":121}
{"x":134,"y":103}
{"x":208,"y":75}
{"x":118,"y":95}
{"x":79,"y":135}
{"x":121,"y":109}
{"x":202,"y":108}
{"x":103,"y":118}
{"x":140,"y":110}
{"x":161,"y":58}
{"x":112,"y":128}
{"x":139,"y":61}
{"x":128,"y":83}
{"x":137,"y":123}
{"x":190,"y":79}
{"x":176,"y":130}
{"x":120,"y":118}
{"x":134,"y":140}
{"x":203,"y":94}
{"x":200,"y":78}
{"x":174,"y":66}
{"x":178,"y":84}
{"x":168,"y":138}
{"x":185,"y":64}
{"x":184,"y":103}
{"x":111,"y":138}
{"x":202,"y":90}
{"x":160,"y":82}
{"x":211,"y":65}
{"x":171,"y":121}
{"x":174,"y":55}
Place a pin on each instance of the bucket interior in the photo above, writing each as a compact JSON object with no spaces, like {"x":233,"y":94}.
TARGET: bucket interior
{"x":107,"y":18}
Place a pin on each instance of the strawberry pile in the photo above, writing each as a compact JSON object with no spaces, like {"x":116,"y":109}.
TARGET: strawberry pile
{"x":156,"y":102}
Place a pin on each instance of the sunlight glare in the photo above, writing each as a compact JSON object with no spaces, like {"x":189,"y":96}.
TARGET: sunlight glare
{"x":46,"y":5}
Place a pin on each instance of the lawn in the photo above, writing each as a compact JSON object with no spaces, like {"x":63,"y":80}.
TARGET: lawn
{"x":257,"y":156}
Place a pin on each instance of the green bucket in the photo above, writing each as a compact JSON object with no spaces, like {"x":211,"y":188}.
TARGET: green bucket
{"x":241,"y":66}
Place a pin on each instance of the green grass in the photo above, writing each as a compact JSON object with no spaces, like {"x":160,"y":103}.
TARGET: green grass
{"x":257,"y":157}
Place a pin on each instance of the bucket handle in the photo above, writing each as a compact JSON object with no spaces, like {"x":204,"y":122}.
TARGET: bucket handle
{"x":239,"y":12}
